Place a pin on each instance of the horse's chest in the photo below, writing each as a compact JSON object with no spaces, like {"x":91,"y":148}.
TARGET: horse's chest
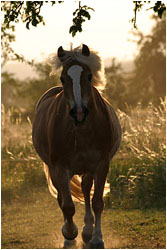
{"x":92,"y":138}
{"x":84,"y":161}
{"x":81,"y":147}
{"x":86,"y":153}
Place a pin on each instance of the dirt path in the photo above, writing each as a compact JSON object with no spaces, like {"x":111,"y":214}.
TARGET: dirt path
{"x":35,"y":222}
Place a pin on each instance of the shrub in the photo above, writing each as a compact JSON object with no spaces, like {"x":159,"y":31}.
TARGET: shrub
{"x":137,"y":174}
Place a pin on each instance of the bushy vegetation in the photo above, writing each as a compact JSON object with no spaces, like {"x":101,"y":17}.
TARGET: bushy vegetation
{"x":20,"y":166}
{"x":23,"y":95}
{"x":137,"y":174}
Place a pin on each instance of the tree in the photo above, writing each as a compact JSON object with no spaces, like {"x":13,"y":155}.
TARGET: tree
{"x":115,"y":90}
{"x":158,"y":8}
{"x":149,"y":82}
{"x":29,"y":13}
{"x":24,"y":94}
{"x":9,"y":87}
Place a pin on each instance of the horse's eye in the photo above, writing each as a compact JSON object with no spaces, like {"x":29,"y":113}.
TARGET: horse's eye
{"x":62,"y":79}
{"x":90,"y":77}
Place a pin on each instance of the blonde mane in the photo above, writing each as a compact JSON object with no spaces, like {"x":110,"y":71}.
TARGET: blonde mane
{"x":93,"y":61}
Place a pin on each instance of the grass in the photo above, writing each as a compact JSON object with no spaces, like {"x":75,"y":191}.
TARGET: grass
{"x":138,"y":172}
{"x":34,"y":221}
{"x":137,"y":229}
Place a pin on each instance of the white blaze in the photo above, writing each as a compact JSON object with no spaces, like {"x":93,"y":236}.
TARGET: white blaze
{"x":75,"y":73}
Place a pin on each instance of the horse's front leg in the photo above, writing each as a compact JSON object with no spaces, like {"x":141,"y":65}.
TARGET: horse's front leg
{"x":62,"y":177}
{"x":98,"y":204}
{"x":86,"y":184}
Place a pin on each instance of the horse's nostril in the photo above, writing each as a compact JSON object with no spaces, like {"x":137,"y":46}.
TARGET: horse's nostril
{"x":85,"y":111}
{"x":73,"y":112}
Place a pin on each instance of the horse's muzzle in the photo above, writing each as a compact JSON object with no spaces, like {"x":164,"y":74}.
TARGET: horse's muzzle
{"x":79,"y":114}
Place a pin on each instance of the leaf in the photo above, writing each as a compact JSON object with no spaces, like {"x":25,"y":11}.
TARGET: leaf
{"x":85,"y":13}
{"x":27,"y":25}
{"x":34,"y":22}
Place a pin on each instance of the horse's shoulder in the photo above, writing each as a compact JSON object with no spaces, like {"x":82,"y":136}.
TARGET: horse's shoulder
{"x":106,"y":105}
{"x":112,"y":113}
{"x":115,"y":125}
{"x":49,"y":93}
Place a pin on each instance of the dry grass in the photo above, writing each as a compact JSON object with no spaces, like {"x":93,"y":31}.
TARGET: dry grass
{"x":138,"y":172}
{"x":144,"y":132}
{"x":14,"y":130}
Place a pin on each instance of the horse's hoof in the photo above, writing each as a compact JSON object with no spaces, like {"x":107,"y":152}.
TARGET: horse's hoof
{"x":69,"y":235}
{"x":98,"y":245}
{"x":69,"y":243}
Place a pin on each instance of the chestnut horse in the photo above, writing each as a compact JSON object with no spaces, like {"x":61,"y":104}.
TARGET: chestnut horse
{"x":76,"y":132}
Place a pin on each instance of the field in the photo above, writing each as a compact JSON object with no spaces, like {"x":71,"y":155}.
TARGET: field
{"x":134,"y":215}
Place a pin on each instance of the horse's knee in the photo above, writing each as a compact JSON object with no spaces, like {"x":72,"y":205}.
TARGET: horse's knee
{"x":86,"y":184}
{"x":68,"y":209}
{"x":97,"y":205}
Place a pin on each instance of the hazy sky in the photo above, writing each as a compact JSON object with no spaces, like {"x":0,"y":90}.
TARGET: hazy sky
{"x":108,"y":30}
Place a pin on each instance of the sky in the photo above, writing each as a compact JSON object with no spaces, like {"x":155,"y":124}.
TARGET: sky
{"x":108,"y":31}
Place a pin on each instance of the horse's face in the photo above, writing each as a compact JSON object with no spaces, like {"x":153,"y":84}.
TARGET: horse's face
{"x":76,"y":81}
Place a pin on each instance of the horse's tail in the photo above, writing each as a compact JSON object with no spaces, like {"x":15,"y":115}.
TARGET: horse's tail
{"x":52,"y":189}
{"x":76,"y":190}
{"x":75,"y":185}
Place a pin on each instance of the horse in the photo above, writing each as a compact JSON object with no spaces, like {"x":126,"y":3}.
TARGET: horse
{"x":76,"y":132}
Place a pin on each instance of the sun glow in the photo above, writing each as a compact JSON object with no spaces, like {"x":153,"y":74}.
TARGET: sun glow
{"x":108,"y":31}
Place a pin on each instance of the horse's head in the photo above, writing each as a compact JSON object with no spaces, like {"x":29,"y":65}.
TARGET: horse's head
{"x":76,"y":80}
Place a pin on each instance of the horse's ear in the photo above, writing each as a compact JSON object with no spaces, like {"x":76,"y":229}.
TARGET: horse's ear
{"x":85,"y":50}
{"x":60,"y":52}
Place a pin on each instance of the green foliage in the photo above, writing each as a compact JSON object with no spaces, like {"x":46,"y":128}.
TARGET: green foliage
{"x":149,"y":80}
{"x":137,"y":175}
{"x":115,"y":90}
{"x":24,"y":94}
{"x":158,"y":8}
{"x":80,"y":16}
{"x":14,"y":11}
{"x":20,"y":166}
{"x":138,"y":183}
{"x":7,"y":52}
{"x":29,"y":13}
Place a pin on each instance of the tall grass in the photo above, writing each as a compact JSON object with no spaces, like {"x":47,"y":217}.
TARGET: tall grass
{"x":20,"y":166}
{"x":137,"y":173}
